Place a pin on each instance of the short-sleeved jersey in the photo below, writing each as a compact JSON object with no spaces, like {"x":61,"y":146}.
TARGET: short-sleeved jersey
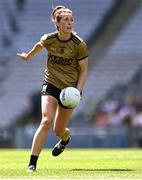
{"x":62,"y":68}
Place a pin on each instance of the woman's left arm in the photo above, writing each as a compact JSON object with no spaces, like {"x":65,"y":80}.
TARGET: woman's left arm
{"x":83,"y":64}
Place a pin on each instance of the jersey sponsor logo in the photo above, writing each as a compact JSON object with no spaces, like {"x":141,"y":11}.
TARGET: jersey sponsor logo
{"x":62,"y":49}
{"x":59,"y":60}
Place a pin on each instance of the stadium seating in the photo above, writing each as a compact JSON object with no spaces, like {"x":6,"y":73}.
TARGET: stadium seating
{"x":19,"y":79}
{"x":34,"y":22}
{"x":118,"y":65}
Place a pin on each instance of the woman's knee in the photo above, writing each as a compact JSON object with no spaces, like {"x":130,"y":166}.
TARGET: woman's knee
{"x":46,"y":123}
{"x":60,"y":131}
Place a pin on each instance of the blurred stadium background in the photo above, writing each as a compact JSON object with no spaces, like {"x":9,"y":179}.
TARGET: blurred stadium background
{"x":110,"y":114}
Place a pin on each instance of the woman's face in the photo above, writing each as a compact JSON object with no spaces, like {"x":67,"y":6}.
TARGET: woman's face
{"x":66,"y":23}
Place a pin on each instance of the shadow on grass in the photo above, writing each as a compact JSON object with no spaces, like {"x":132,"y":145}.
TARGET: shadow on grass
{"x":103,"y":170}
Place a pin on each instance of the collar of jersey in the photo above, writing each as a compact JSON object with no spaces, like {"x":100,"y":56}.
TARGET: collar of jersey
{"x":64,"y":40}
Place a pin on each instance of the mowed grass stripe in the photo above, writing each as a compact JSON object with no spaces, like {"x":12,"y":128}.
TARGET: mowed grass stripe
{"x":74,"y":164}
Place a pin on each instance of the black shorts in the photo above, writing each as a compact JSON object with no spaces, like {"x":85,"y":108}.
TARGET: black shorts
{"x":49,"y":89}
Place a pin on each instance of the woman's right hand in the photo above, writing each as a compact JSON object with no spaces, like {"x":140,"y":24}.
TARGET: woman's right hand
{"x":22,"y":56}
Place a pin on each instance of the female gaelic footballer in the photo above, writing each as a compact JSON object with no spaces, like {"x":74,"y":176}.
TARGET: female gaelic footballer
{"x":66,"y":66}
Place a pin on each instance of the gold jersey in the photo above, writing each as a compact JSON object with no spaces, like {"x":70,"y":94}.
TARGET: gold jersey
{"x":62,"y":68}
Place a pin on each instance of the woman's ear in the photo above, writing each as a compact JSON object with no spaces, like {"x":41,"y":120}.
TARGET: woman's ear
{"x":57,"y":24}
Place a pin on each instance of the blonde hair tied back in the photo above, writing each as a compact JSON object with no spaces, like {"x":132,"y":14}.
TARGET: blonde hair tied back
{"x":54,"y":12}
{"x":57,"y":11}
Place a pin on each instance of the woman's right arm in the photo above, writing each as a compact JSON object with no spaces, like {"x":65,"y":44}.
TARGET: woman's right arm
{"x":36,"y":49}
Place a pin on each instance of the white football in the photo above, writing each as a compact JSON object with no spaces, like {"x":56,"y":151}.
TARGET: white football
{"x":70,"y":97}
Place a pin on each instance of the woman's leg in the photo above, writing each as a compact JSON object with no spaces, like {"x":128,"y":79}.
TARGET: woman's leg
{"x":61,"y":123}
{"x":61,"y":130}
{"x":49,"y":106}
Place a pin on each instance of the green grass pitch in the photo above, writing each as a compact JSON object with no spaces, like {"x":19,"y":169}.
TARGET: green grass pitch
{"x":74,"y":164}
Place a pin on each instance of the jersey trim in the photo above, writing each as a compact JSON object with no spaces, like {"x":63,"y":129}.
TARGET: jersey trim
{"x":51,"y":37}
{"x":46,"y":37}
{"x":63,"y":40}
{"x":82,"y":58}
{"x":76,"y":39}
